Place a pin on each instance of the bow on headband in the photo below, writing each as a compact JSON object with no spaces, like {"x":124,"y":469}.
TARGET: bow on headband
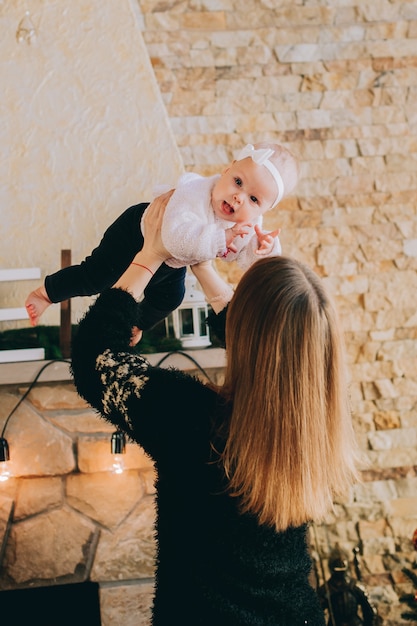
{"x":261,"y":156}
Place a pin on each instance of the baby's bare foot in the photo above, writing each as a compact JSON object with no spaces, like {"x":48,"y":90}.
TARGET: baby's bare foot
{"x":36,"y":303}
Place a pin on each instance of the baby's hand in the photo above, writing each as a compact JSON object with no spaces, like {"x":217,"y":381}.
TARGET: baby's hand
{"x":265,"y":241}
{"x":238,"y":230}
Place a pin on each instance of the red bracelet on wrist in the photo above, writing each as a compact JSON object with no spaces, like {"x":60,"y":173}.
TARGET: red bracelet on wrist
{"x":144,"y":267}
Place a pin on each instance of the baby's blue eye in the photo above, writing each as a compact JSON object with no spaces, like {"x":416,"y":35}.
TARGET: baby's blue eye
{"x":254,"y":199}
{"x":238,"y":182}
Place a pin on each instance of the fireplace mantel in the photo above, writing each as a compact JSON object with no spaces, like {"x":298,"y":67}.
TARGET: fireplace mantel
{"x":25,"y":372}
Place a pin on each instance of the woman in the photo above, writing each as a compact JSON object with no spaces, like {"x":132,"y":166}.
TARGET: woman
{"x":242,"y":468}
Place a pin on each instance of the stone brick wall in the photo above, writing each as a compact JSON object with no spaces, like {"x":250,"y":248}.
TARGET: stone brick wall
{"x":65,"y":517}
{"x":336,"y":82}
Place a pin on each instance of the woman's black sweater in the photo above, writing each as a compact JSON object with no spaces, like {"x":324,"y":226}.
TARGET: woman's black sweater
{"x":215,"y":566}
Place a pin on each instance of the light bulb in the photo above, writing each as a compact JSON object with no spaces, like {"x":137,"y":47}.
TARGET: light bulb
{"x":5,"y":472}
{"x":118,"y":448}
{"x":118,"y":464}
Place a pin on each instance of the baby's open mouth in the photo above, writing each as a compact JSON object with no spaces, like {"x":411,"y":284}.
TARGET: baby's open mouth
{"x":227,"y":208}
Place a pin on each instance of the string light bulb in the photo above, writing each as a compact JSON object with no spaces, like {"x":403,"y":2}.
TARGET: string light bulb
{"x":5,"y":471}
{"x":4,"y":460}
{"x":118,"y":448}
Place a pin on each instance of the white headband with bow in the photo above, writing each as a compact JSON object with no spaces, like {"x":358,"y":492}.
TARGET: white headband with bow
{"x":261,"y":157}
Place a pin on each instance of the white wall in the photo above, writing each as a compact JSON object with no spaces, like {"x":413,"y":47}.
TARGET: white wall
{"x":83,"y":134}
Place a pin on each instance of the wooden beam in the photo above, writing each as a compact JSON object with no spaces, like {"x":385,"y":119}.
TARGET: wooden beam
{"x":65,"y":326}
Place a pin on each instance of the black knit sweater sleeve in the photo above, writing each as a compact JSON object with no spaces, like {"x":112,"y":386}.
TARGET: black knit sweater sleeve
{"x":106,"y":326}
{"x":217,"y":324}
{"x":151,"y":405}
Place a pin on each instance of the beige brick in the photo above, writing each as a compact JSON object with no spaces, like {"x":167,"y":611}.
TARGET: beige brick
{"x":387,"y":115}
{"x":403,"y":507}
{"x":104,"y":497}
{"x":328,"y":167}
{"x":373,"y":562}
{"x":355,"y":184}
{"x":265,"y":122}
{"x":339,"y":80}
{"x":388,"y":30}
{"x":160,"y":21}
{"x":49,"y":546}
{"x":333,"y":255}
{"x":38,"y":494}
{"x":49,"y":398}
{"x":252,"y":102}
{"x":346,"y":286}
{"x":129,"y":551}
{"x":387,"y":419}
{"x":394,"y":458}
{"x":233,"y":39}
{"x":376,"y":491}
{"x":259,"y":54}
{"x":378,"y":372}
{"x":407,"y":386}
{"x":225,"y":57}
{"x":201,"y":58}
{"x":393,"y":438}
{"x":356,"y":320}
{"x":129,"y":605}
{"x":370,"y":529}
{"x":375,"y":146}
{"x":203,"y":20}
{"x":368,"y":164}
{"x":37,"y":447}
{"x":314,"y":119}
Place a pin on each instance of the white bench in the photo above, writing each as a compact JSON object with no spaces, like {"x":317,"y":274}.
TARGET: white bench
{"x":19,"y":313}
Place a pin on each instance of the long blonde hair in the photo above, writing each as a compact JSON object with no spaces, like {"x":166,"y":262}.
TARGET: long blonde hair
{"x":289,"y":446}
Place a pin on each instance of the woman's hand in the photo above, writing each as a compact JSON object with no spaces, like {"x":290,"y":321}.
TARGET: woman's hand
{"x":152,"y":255}
{"x":152,"y":222}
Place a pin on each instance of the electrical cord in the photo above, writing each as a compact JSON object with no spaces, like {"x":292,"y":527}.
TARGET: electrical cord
{"x":165,"y":357}
{"x":44,"y":367}
{"x":29,"y":389}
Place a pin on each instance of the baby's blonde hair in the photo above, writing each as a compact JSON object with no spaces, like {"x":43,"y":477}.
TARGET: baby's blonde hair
{"x":285,"y":162}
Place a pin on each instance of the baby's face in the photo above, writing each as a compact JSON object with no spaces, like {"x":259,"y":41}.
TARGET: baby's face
{"x":243,"y":192}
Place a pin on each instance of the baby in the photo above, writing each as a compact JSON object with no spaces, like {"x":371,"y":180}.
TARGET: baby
{"x":206,"y":217}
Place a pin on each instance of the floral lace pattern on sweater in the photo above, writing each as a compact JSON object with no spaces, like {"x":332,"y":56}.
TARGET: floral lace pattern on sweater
{"x":121,"y":378}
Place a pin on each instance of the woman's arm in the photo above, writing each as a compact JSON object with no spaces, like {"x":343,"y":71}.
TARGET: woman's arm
{"x":153,"y":253}
{"x":218,"y":294}
{"x":110,"y":322}
{"x":146,"y":402}
{"x":153,"y":406}
{"x":106,"y":326}
{"x":217,"y":291}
